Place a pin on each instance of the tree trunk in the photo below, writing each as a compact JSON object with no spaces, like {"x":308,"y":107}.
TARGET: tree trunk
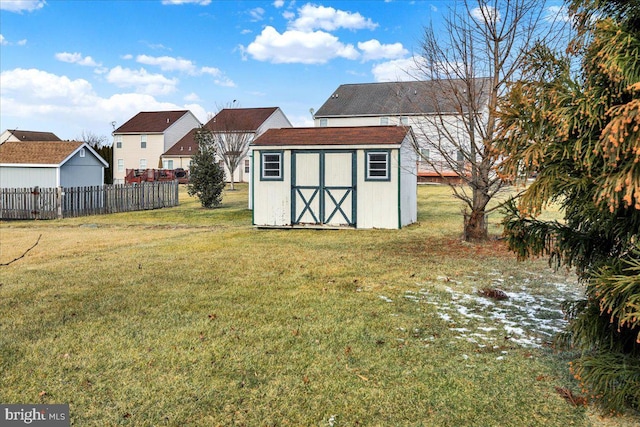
{"x":475,"y":226}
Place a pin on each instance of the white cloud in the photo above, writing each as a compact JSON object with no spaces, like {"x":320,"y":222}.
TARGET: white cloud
{"x":192,"y":97}
{"x":20,"y":6}
{"x":178,"y":2}
{"x":294,"y":46}
{"x":278,"y":4}
{"x":5,"y":42}
{"x":373,"y":50}
{"x":487,"y":14}
{"x":69,"y":106}
{"x":312,"y":17}
{"x":288,"y":15}
{"x":142,"y":81}
{"x":168,"y":63}
{"x":127,"y":56}
{"x":76,"y":58}
{"x":557,"y":14}
{"x":406,"y":69}
{"x":257,"y":14}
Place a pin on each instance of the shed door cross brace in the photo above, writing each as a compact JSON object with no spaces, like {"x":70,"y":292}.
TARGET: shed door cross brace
{"x":337,"y":194}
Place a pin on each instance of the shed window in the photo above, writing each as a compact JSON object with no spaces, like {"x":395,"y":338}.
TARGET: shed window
{"x":271,"y":166}
{"x":82,"y":152}
{"x":377,"y":166}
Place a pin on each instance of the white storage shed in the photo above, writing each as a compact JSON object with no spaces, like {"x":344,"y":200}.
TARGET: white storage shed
{"x":358,"y":177}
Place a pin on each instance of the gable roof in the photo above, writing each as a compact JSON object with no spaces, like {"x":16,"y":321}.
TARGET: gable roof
{"x":186,"y":146}
{"x":151,"y":121}
{"x":42,"y":152}
{"x":357,"y":135}
{"x":397,"y":98}
{"x":240,"y":119}
{"x":29,"y":135}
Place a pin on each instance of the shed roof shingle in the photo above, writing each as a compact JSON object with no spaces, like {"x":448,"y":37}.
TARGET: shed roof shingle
{"x":151,"y":121}
{"x":37,"y":152}
{"x":365,"y":135}
{"x":398,"y":98}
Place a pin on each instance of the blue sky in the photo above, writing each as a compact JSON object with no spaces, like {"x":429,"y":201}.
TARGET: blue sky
{"x":74,"y":66}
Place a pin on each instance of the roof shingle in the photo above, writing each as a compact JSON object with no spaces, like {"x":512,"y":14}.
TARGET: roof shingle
{"x":398,"y":98}
{"x":361,"y":135}
{"x":151,"y":121}
{"x":29,"y":135}
{"x":37,"y":152}
{"x":240,"y":119}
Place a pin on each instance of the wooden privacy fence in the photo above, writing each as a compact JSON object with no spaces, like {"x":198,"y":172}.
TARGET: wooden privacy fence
{"x":61,"y":202}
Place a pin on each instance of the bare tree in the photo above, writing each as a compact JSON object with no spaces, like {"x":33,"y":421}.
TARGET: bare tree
{"x":231,"y":135}
{"x":468,"y":67}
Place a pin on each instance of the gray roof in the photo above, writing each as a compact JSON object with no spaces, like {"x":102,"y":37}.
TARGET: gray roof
{"x":401,"y":98}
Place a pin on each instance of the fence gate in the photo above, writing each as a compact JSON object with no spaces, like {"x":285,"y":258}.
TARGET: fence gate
{"x":323,"y":188}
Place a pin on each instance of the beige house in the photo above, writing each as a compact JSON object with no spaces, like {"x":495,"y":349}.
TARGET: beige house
{"x":140,"y":142}
{"x":240,"y":125}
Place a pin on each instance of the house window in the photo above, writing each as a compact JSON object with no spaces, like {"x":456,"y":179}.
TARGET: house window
{"x":384,"y":121}
{"x":120,"y":165}
{"x":424,"y":153}
{"x":247,"y":163}
{"x":404,"y":121}
{"x":323,"y":123}
{"x":82,"y":153}
{"x":143,"y":163}
{"x":271,"y":166}
{"x":143,"y":141}
{"x":377,"y":166}
{"x":167,"y":164}
{"x":118,"y":141}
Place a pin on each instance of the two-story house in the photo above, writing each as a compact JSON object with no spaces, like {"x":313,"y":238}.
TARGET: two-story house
{"x":235,"y":125}
{"x":140,"y":142}
{"x":434,"y":110}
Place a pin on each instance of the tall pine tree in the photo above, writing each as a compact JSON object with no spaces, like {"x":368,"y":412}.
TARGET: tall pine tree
{"x":580,"y":136}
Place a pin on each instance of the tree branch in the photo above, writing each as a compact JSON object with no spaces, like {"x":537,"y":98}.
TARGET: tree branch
{"x":22,"y":256}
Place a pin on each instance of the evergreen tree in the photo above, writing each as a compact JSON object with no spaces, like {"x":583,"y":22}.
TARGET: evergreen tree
{"x":580,"y":136}
{"x":206,"y":177}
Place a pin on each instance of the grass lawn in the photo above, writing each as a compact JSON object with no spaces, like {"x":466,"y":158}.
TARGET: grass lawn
{"x":191,"y":317}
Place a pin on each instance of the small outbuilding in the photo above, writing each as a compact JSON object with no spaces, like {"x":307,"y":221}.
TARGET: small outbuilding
{"x":50,"y":164}
{"x":357,"y":177}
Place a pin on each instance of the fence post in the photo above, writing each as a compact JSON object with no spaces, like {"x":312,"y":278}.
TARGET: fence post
{"x":59,"y":194}
{"x":35,"y":202}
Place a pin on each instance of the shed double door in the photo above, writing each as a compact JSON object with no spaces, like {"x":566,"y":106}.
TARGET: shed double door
{"x":323,"y":188}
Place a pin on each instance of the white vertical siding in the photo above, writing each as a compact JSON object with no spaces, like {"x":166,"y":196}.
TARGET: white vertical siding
{"x":377,"y":200}
{"x":272,"y":199}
